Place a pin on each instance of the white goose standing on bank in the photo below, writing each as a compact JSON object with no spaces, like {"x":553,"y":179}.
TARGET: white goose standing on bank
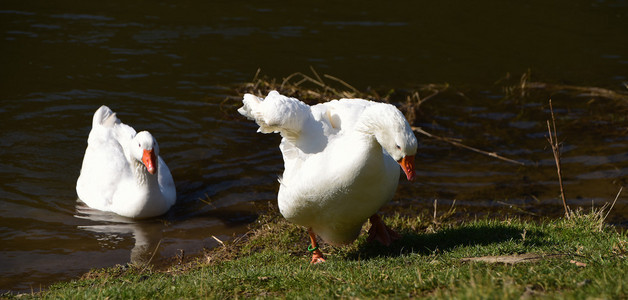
{"x":122,"y":171}
{"x":341,"y":163}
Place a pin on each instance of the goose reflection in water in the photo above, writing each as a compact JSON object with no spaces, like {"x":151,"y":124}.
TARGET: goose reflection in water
{"x":146,"y":233}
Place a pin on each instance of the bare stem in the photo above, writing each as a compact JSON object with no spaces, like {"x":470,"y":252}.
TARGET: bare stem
{"x":435,"y":208}
{"x":613,"y":205}
{"x":151,"y":257}
{"x":553,"y":141}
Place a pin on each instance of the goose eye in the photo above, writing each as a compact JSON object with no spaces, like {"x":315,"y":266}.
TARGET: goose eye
{"x":398,"y":147}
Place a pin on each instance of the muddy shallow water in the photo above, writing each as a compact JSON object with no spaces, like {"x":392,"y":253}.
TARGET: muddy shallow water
{"x":172,"y":69}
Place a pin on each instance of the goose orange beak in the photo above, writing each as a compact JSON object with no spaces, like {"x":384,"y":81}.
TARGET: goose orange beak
{"x":407,"y":164}
{"x":150,"y":161}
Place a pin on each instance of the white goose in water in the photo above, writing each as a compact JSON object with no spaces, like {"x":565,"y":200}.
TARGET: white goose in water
{"x":341,"y":163}
{"x":122,"y":171}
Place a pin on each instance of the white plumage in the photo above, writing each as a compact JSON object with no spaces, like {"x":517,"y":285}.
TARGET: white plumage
{"x":340,"y":159}
{"x":122,"y":171}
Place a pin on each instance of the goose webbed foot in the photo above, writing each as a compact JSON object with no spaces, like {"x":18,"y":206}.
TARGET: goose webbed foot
{"x":380,"y":232}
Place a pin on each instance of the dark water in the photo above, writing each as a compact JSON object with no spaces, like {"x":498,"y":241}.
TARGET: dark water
{"x":167,"y":67}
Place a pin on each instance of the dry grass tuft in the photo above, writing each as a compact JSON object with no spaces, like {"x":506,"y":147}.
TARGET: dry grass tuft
{"x":314,"y":88}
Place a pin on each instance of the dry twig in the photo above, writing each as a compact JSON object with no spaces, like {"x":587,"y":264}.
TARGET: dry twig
{"x":218,"y":240}
{"x":581,"y":90}
{"x":461,"y":145}
{"x":553,"y":141}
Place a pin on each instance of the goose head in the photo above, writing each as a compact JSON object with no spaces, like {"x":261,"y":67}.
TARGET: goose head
{"x":394,"y":134}
{"x":144,"y":148}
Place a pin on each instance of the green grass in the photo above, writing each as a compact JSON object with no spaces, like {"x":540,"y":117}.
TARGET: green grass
{"x":272,"y":261}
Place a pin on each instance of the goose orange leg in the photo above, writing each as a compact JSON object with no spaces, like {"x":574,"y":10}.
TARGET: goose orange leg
{"x":317,"y":255}
{"x":380,"y":232}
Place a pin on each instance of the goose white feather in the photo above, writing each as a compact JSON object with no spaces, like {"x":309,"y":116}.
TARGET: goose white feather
{"x":122,"y":171}
{"x":340,"y":159}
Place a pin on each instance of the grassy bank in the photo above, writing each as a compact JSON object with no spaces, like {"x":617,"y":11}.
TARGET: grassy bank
{"x":437,"y":257}
{"x":575,"y":258}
